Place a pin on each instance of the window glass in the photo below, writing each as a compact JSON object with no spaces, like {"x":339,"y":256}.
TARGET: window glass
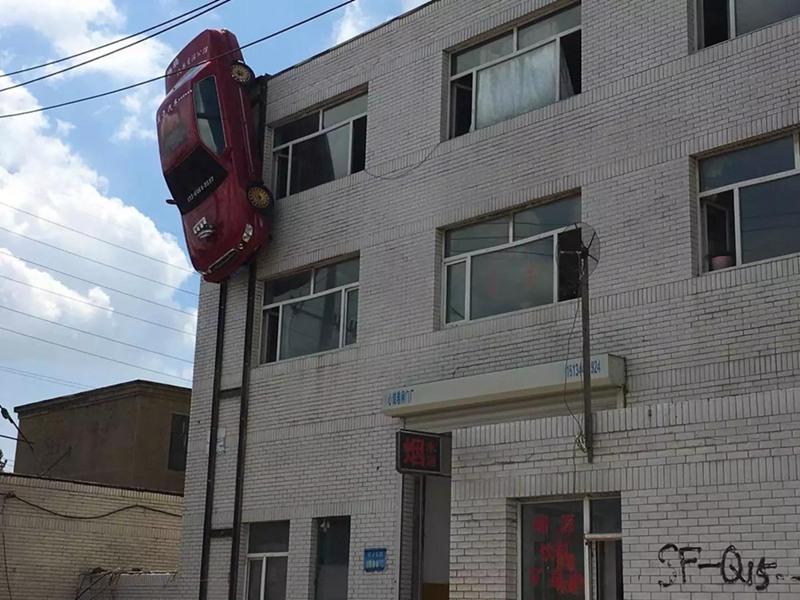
{"x":608,"y":567}
{"x":296,"y":130}
{"x":280,"y":167}
{"x":195,"y":179}
{"x":286,"y":288}
{"x":569,"y":264}
{"x":456,"y":288}
{"x":174,"y":134}
{"x":720,"y":225}
{"x":755,"y":14}
{"x":358,"y":161}
{"x":344,"y":112}
{"x":547,"y":217}
{"x":512,"y":279}
{"x":275,"y":582}
{"x":336,"y":275}
{"x":320,"y":159}
{"x":333,"y":558}
{"x":747,"y":163}
{"x":269,"y":334}
{"x":269,"y":537}
{"x":178,"y":441}
{"x":476,"y":237}
{"x":254,"y":579}
{"x":351,"y":331}
{"x":188,"y":75}
{"x":770,"y":219}
{"x":482,"y":54}
{"x":516,"y":86}
{"x":311,"y":326}
{"x":606,"y":515}
{"x":552,"y":551}
{"x":209,"y":118}
{"x":542,"y":30}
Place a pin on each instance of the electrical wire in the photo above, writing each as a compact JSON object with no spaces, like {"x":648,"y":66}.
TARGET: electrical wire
{"x":106,"y":45}
{"x":13,"y":496}
{"x":91,"y":585}
{"x":120,"y":49}
{"x":98,"y":306}
{"x":100,"y":356}
{"x":98,"y":262}
{"x":89,"y":281}
{"x":177,"y":71}
{"x":96,"y":335}
{"x":43,"y":378}
{"x":90,"y":236}
{"x":405,"y":170}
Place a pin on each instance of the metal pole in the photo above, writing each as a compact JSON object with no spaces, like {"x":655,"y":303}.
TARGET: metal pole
{"x":587,"y":375}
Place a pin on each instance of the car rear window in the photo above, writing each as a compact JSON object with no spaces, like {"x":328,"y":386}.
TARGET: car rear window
{"x":195,"y":179}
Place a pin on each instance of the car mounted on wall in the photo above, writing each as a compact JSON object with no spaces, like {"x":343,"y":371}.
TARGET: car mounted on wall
{"x":206,"y":139}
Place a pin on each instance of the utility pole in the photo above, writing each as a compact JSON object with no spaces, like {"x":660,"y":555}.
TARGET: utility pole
{"x":587,"y":359}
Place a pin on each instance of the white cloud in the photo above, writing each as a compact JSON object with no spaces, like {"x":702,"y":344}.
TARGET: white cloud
{"x":354,"y":21}
{"x":63,"y":128}
{"x":412,"y":4}
{"x":139,"y":121}
{"x":41,"y":174}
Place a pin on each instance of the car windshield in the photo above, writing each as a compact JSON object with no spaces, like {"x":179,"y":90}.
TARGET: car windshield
{"x":195,"y":179}
{"x":209,"y":117}
{"x":188,"y":75}
{"x":174,"y":134}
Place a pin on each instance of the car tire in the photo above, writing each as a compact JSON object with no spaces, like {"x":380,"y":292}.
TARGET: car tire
{"x":260,"y":198}
{"x":241,"y":73}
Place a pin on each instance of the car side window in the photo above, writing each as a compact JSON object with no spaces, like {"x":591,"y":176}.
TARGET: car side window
{"x":209,"y":117}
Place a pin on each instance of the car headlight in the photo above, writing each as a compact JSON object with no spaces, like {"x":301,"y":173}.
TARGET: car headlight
{"x":248,"y":233}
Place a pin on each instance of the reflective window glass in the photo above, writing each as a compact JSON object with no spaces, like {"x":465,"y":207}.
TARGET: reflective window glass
{"x":747,"y":163}
{"x":271,"y":536}
{"x":477,"y":237}
{"x":335,"y":275}
{"x":482,"y":54}
{"x":547,"y":217}
{"x":755,"y":14}
{"x":344,"y":112}
{"x":542,"y":30}
{"x":209,"y":117}
{"x":770,"y":219}
{"x":311,"y":326}
{"x":286,"y":288}
{"x":320,"y":159}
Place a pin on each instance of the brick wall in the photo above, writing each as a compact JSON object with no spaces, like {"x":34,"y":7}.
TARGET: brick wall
{"x":318,"y":444}
{"x":45,"y":555}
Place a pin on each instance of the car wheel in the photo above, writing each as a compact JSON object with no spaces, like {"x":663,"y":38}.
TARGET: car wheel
{"x":260,"y":198}
{"x":241,"y":73}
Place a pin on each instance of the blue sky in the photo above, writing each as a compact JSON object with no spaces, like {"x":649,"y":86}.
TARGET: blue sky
{"x":94,"y":168}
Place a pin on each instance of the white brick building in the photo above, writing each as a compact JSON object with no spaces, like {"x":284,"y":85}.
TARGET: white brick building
{"x":618,"y":112}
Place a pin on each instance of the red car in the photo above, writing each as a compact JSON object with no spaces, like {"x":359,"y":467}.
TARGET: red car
{"x":206,"y":138}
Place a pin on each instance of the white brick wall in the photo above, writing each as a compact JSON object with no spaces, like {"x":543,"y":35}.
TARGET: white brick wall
{"x":45,"y":555}
{"x":318,"y":444}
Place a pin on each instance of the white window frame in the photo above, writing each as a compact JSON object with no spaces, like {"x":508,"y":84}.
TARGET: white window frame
{"x":321,"y":131}
{"x":466,"y":257}
{"x":342,"y":289}
{"x":589,"y":540}
{"x":263,"y":556}
{"x":732,"y":33}
{"x":514,"y":54}
{"x":736,"y":187}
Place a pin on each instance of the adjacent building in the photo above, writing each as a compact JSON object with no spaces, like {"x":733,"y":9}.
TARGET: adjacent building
{"x":422,"y":276}
{"x":132,"y":434}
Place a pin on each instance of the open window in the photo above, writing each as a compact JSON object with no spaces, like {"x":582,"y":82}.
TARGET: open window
{"x":721,"y":20}
{"x":527,"y":68}
{"x":750,"y":204}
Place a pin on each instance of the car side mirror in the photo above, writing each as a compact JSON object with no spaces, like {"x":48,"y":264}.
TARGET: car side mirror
{"x":171,"y":201}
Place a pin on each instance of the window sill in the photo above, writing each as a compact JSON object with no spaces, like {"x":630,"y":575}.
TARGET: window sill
{"x":509,"y":315}
{"x":317,"y":357}
{"x":758,"y":263}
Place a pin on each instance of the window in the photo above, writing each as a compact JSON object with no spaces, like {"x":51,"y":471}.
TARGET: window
{"x":333,"y":558}
{"x":512,"y":262}
{"x":566,"y":544}
{"x":750,"y":204}
{"x":178,"y":441}
{"x":209,"y":117}
{"x":312,"y":311}
{"x":527,"y":68}
{"x":267,"y":560}
{"x":722,"y":20}
{"x":321,"y":147}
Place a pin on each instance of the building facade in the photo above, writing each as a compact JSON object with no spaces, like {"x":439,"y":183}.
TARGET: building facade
{"x":64,"y":539}
{"x":423,"y":276}
{"x":132,"y":434}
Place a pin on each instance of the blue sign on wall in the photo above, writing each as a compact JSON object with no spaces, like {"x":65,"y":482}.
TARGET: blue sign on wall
{"x":374,"y":560}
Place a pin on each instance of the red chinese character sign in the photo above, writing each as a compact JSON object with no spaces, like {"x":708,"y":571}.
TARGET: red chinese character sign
{"x":552,"y":551}
{"x":419,"y":453}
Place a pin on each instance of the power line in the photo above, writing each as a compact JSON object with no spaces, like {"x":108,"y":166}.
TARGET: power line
{"x":44,"y":378}
{"x":98,"y":262}
{"x":96,"y":48}
{"x":13,"y":496}
{"x":89,"y":281}
{"x":87,"y":353}
{"x":96,"y":58}
{"x":90,"y":236}
{"x":105,"y":308}
{"x":97,"y":335}
{"x":160,"y":77}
